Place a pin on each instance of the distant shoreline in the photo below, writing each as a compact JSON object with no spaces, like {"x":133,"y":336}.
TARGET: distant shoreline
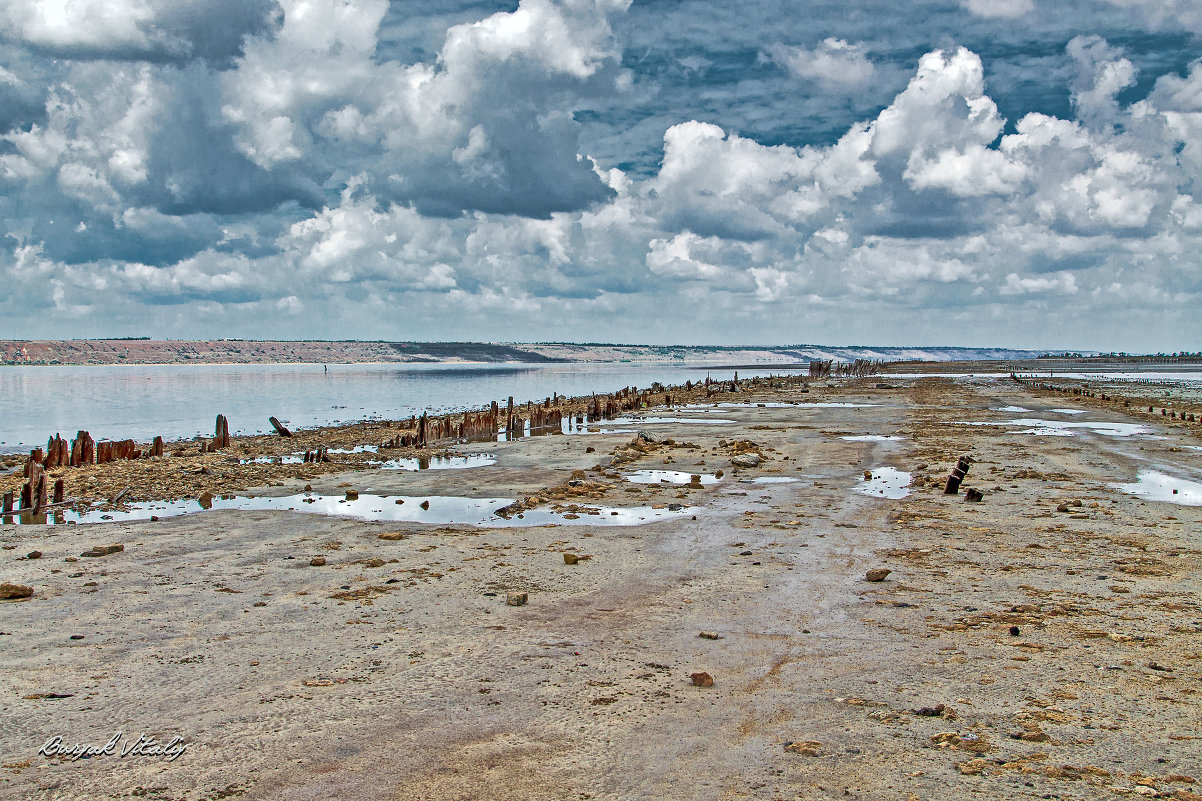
{"x":234,"y":352}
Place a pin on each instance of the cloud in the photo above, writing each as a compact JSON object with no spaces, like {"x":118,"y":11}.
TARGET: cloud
{"x":999,"y":9}
{"x":833,"y":63}
{"x":171,"y":30}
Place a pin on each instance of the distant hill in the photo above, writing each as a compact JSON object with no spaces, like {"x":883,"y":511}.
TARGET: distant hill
{"x":226,"y":351}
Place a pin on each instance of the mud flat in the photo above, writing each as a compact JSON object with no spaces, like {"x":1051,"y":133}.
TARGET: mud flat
{"x":1045,"y":642}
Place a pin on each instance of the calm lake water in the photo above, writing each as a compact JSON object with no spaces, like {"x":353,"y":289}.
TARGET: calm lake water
{"x":181,"y":401}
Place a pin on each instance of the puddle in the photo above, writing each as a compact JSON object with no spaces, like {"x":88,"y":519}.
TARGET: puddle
{"x":772,"y":405}
{"x":299,"y":458}
{"x":669,"y":477}
{"x":873,"y":438}
{"x":1156,"y":486}
{"x":630,"y":421}
{"x":1015,"y":409}
{"x":1068,"y":411}
{"x":886,"y":482}
{"x":1059,"y":428}
{"x":443,"y":510}
{"x":824,"y":405}
{"x":438,"y":462}
{"x":771,"y":480}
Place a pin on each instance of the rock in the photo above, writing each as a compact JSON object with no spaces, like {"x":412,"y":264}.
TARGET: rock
{"x":810,"y":748}
{"x":877,"y":574}
{"x":1062,"y":507}
{"x":694,"y":481}
{"x":392,"y":536}
{"x":868,"y":475}
{"x":1015,"y":631}
{"x":648,"y":438}
{"x":930,"y":711}
{"x":570,"y":558}
{"x":205,"y":500}
{"x":702,"y":679}
{"x":425,"y":505}
{"x":374,"y":562}
{"x":709,"y":635}
{"x":590,"y":449}
{"x":400,"y":501}
{"x":317,"y":561}
{"x":719,"y":474}
{"x":352,"y":495}
{"x":103,"y":550}
{"x":516,"y":599}
{"x":746,"y":460}
{"x":973,"y":495}
{"x":8,"y":591}
{"x":34,"y":555}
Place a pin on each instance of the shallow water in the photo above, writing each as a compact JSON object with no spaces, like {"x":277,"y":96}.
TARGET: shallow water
{"x":669,"y":477}
{"x":181,"y":401}
{"x":443,"y":510}
{"x":1060,"y":428}
{"x":771,"y":480}
{"x":872,"y":438}
{"x":630,"y":421}
{"x":1156,"y":486}
{"x":1015,"y":409}
{"x":439,"y":462}
{"x":886,"y":482}
{"x":1068,"y":411}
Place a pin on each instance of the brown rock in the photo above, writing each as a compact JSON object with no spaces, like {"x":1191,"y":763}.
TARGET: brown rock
{"x":8,"y":591}
{"x":374,"y":562}
{"x":877,"y":574}
{"x":425,"y":505}
{"x":702,"y":679}
{"x":516,"y":599}
{"x":570,"y":558}
{"x":103,"y":550}
{"x":392,"y":535}
{"x":34,"y":555}
{"x":352,"y":495}
{"x":811,"y":748}
{"x":709,"y":635}
{"x":317,"y":561}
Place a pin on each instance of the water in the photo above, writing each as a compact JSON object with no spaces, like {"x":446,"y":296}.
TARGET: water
{"x":182,"y":401}
{"x":872,"y":438}
{"x":670,"y":477}
{"x":1060,"y":428}
{"x":443,"y":510}
{"x":1157,"y":486}
{"x":886,"y":482}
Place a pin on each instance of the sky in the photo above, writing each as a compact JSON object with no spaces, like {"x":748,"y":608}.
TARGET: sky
{"x":1011,"y":173}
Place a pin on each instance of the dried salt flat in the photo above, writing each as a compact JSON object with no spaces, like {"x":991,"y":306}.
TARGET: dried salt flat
{"x":886,"y":482}
{"x":835,"y":405}
{"x":872,"y":438}
{"x":442,"y":510}
{"x":1156,"y":486}
{"x":1015,"y":409}
{"x":771,"y":480}
{"x":1068,"y":411}
{"x":1060,"y":428}
{"x":438,"y":462}
{"x":669,"y":477}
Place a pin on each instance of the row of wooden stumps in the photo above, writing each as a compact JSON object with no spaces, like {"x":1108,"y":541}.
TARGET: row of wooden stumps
{"x":860,"y":368}
{"x":1085,"y":392}
{"x":40,"y":491}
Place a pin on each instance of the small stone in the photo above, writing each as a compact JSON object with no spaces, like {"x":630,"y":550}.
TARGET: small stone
{"x":103,"y":550}
{"x":516,"y":598}
{"x":205,"y":500}
{"x":570,"y":558}
{"x":746,"y":460}
{"x":352,"y":495}
{"x":1015,"y":631}
{"x":702,"y":679}
{"x":709,"y":635}
{"x":8,"y":591}
{"x":400,"y":501}
{"x":590,"y":449}
{"x":317,"y":561}
{"x":1062,"y":507}
{"x":810,"y":748}
{"x":877,"y":574}
{"x":425,"y":505}
{"x":34,"y":555}
{"x":973,"y":495}
{"x":868,"y":475}
{"x":76,"y":636}
{"x":719,"y":474}
{"x":308,"y":488}
{"x":374,"y":562}
{"x":391,"y":536}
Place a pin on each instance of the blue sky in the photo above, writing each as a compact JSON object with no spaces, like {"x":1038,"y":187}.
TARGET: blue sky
{"x":1019,"y":173}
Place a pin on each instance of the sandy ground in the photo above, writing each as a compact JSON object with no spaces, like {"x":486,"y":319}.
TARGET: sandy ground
{"x":409,"y":677}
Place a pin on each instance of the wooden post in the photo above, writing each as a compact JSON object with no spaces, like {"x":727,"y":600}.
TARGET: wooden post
{"x":957,"y":475}
{"x":58,"y":490}
{"x":279,"y":427}
{"x":8,"y":502}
